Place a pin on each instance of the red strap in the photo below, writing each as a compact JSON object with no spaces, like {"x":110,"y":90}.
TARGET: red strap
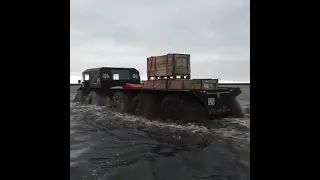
{"x":150,"y":66}
{"x":155,"y":66}
{"x":153,"y":84}
{"x":167,"y":65}
{"x":182,"y":84}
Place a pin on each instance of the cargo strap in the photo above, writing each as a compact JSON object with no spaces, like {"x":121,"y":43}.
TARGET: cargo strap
{"x":167,"y":65}
{"x":150,"y":66}
{"x":154,"y":67}
{"x":182,"y":84}
{"x":152,"y":84}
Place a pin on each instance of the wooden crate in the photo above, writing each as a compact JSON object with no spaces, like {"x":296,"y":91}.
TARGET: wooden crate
{"x":192,"y":84}
{"x":184,"y":84}
{"x":155,"y":84}
{"x":168,"y":65}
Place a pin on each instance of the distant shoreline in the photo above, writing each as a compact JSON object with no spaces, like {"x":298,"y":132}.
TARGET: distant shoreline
{"x":219,"y":84}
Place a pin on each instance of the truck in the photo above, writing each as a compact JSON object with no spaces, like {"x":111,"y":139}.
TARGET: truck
{"x":165,"y":97}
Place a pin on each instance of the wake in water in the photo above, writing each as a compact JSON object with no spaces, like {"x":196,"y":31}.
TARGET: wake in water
{"x":109,"y":145}
{"x":238,"y":128}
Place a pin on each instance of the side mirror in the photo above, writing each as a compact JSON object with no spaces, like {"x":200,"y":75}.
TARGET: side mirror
{"x":79,"y":81}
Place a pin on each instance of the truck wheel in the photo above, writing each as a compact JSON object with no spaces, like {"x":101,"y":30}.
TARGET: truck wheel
{"x":94,"y":97}
{"x":79,"y":96}
{"x":88,"y":99}
{"x":171,"y":107}
{"x":122,"y":101}
{"x":236,"y":109}
{"x":138,"y":103}
{"x":100,"y":99}
{"x":108,"y":102}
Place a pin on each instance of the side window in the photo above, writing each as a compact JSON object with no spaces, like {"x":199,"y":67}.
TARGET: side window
{"x":115,"y":76}
{"x":86,"y":76}
{"x":120,"y":74}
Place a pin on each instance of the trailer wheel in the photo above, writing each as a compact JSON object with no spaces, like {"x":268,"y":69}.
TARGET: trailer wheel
{"x":182,"y":109}
{"x":171,"y":107}
{"x":138,"y":103}
{"x":79,"y":96}
{"x":193,"y":111}
{"x":151,"y":105}
{"x":146,"y":104}
{"x":122,"y":101}
{"x":236,"y":109}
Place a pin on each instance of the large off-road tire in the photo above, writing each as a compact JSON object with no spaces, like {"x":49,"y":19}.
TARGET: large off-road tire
{"x":138,"y":103}
{"x":151,"y":108}
{"x":193,"y":111}
{"x":122,"y":101}
{"x":108,"y":102}
{"x":79,"y":96}
{"x":92,"y":98}
{"x":236,"y":108}
{"x":147,"y":105}
{"x":98,"y":98}
{"x":182,"y":109}
{"x":87,"y":99}
{"x":171,"y":107}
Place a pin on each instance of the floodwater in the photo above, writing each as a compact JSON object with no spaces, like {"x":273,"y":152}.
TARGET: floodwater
{"x":112,"y":146}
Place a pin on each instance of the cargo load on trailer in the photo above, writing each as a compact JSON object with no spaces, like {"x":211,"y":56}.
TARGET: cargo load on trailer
{"x":168,"y":65}
{"x":169,"y":92}
{"x":182,"y":84}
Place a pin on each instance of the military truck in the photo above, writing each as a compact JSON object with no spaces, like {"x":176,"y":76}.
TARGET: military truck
{"x":169,"y":92}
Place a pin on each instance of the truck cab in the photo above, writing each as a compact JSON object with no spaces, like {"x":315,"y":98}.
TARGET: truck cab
{"x":105,"y":77}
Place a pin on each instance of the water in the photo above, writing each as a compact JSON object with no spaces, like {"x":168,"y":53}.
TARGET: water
{"x":108,"y":145}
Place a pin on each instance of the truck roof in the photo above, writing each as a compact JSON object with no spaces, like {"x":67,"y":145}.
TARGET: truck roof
{"x":99,"y":68}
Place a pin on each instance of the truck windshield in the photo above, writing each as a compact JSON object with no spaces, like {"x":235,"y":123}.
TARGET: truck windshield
{"x":118,"y":74}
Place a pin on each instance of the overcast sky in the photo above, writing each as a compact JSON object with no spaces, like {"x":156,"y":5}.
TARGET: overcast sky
{"x":123,"y":33}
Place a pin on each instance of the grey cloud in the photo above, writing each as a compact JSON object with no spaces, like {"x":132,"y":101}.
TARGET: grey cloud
{"x":123,"y":33}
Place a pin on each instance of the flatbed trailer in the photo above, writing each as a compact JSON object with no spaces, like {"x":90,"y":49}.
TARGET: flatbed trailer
{"x":185,"y":105}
